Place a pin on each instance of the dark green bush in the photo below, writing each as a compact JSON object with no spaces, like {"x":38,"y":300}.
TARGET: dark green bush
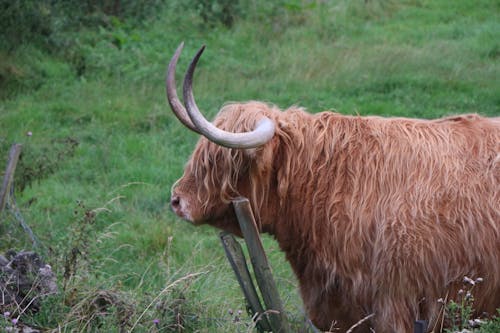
{"x":40,"y":21}
{"x":24,"y":21}
{"x":53,"y":27}
{"x":219,"y":11}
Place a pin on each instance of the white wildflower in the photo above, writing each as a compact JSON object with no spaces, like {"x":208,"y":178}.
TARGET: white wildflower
{"x":469,"y":281}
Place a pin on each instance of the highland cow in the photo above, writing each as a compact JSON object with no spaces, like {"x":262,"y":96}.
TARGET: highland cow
{"x":377,"y":216}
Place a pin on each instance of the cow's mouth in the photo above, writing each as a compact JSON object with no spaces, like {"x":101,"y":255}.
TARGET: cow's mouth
{"x":179,"y":207}
{"x":224,"y":218}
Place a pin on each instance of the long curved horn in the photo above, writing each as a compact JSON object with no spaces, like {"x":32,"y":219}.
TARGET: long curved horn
{"x":263,"y":132}
{"x":173,"y":99}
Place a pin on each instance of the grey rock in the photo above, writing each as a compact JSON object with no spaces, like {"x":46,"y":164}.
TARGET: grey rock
{"x":24,"y":279}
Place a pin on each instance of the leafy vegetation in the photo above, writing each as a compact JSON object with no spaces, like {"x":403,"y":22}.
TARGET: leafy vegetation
{"x":82,"y":88}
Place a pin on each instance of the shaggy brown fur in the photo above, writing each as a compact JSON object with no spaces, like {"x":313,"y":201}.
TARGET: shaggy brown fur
{"x":375,"y":215}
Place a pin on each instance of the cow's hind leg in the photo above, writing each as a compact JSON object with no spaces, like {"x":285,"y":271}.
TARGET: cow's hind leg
{"x":393,"y":316}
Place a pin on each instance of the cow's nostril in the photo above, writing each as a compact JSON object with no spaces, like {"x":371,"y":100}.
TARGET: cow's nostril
{"x":175,"y":202}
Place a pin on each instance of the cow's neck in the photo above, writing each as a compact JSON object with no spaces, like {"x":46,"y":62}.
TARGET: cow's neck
{"x":313,"y":189}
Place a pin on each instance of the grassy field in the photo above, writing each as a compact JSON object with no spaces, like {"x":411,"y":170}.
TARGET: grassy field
{"x":104,"y":140}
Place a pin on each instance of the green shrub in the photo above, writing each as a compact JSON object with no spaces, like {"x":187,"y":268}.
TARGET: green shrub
{"x":42,"y":21}
{"x":24,"y":21}
{"x":492,"y":326}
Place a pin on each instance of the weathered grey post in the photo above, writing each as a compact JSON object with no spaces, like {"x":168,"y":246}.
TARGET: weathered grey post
{"x":274,"y":308}
{"x":14,"y":153}
{"x":237,"y":261}
{"x":8,"y":189}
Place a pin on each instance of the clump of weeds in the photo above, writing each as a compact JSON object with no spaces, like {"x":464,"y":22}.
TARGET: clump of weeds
{"x":459,"y":313}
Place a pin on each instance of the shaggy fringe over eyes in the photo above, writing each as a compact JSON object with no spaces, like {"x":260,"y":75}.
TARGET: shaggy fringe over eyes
{"x":211,"y":170}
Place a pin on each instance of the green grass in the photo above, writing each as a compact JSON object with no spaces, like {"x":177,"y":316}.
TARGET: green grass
{"x":412,"y":58}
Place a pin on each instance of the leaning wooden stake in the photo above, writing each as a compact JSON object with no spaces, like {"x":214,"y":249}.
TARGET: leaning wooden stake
{"x":14,"y":153}
{"x":7,"y":192}
{"x":274,"y":308}
{"x":237,"y":260}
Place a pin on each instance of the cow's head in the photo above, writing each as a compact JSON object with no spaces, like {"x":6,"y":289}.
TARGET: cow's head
{"x":230,"y":159}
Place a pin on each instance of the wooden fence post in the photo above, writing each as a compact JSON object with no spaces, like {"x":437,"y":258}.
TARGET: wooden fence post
{"x":8,"y":189}
{"x":237,"y":260}
{"x":274,"y":308}
{"x":14,"y":153}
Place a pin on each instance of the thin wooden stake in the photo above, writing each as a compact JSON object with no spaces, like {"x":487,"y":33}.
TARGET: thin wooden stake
{"x":263,"y":274}
{"x":237,"y":260}
{"x":14,"y":153}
